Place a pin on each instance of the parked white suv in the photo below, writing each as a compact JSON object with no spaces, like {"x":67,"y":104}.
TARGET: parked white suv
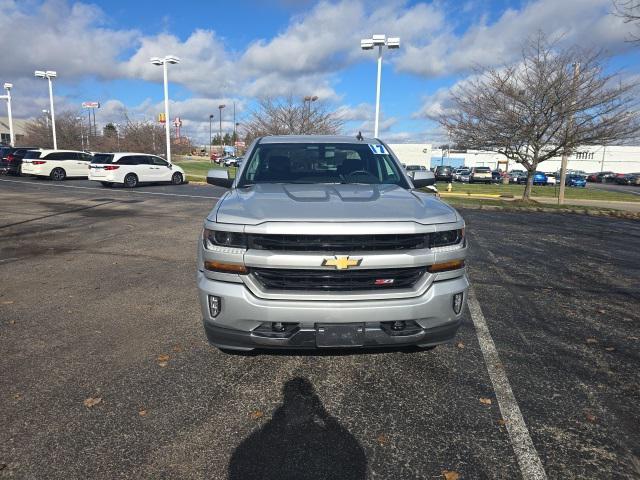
{"x":56,"y":164}
{"x":133,"y":168}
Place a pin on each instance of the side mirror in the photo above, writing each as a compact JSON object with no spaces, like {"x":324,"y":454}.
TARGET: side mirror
{"x":219,"y":178}
{"x":423,"y":179}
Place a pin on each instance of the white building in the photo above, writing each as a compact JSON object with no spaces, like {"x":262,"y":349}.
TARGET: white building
{"x":619,"y":159}
{"x":413,"y":153}
{"x":18,"y":129}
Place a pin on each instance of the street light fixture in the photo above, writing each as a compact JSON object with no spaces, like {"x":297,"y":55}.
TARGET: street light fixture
{"x":307,"y":103}
{"x":368,"y":44}
{"x":210,"y":137}
{"x":7,"y":97}
{"x":49,"y":74}
{"x":220,"y":107}
{"x":169,"y":59}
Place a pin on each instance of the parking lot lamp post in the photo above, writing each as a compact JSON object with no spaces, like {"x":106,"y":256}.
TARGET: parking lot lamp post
{"x":563,"y":165}
{"x":307,"y":110}
{"x":368,"y":44}
{"x":79,"y":120}
{"x":7,"y":97}
{"x":49,"y":74}
{"x":169,"y":59}
{"x":220,"y":107}
{"x":210,"y":137}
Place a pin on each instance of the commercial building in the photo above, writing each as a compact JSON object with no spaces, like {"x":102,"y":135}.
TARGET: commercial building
{"x":18,"y":130}
{"x":619,"y":159}
{"x":413,"y":153}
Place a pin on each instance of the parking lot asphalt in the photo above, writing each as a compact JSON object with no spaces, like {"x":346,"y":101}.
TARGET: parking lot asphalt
{"x":98,"y":301}
{"x":614,"y":187}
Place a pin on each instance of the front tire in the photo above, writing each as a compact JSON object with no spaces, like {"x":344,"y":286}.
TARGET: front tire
{"x":58,"y":174}
{"x":107,"y":184}
{"x":176,"y":179}
{"x":131,"y":180}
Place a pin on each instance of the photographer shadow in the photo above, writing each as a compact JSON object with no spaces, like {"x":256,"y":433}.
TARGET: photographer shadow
{"x":301,"y":441}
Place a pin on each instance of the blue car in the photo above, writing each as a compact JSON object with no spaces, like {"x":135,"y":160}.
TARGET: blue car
{"x":575,"y":181}
{"x":539,"y":178}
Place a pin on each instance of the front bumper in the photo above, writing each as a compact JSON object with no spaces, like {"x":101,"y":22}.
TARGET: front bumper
{"x":244,"y":318}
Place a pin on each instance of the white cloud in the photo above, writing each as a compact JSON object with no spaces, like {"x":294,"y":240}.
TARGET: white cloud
{"x":574,"y":22}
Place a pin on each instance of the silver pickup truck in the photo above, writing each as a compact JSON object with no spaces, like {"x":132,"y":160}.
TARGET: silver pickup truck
{"x":325,"y":241}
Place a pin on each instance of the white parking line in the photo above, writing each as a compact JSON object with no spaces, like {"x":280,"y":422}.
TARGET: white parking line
{"x":528,"y":459}
{"x":104,"y":190}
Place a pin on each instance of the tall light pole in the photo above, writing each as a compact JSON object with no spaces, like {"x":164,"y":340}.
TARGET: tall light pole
{"x":79,"y":120}
{"x":563,"y":164}
{"x":164,"y":61}
{"x":7,"y":97}
{"x":210,"y":133}
{"x":49,"y":74}
{"x":368,"y":44}
{"x":307,"y":103}
{"x":220,"y":107}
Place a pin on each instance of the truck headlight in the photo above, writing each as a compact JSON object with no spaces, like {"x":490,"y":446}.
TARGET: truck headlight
{"x":221,"y":238}
{"x":446,"y":238}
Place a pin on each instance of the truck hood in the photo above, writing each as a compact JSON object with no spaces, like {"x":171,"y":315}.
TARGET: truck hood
{"x":273,"y":202}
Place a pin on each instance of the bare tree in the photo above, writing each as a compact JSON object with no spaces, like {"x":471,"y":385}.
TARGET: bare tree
{"x":68,"y":132}
{"x":629,"y":10}
{"x":540,"y":108}
{"x":287,"y":116}
{"x":130,"y":136}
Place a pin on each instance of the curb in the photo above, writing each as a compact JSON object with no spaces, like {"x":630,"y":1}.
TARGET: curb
{"x":593,"y":213}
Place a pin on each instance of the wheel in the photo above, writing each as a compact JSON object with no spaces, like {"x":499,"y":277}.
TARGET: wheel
{"x":107,"y":184}
{"x":176,"y":178}
{"x":58,"y":174}
{"x":131,"y":180}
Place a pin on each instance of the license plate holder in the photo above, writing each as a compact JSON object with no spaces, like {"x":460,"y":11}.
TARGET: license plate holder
{"x":340,"y":334}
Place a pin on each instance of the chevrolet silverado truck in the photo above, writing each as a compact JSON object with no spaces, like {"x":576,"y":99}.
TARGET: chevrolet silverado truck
{"x":325,"y":241}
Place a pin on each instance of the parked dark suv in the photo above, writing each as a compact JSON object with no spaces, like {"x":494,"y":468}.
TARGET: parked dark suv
{"x":444,"y":173}
{"x":11,"y":159}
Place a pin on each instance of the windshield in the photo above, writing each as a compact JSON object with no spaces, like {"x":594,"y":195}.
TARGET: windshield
{"x":483,"y":169}
{"x":102,"y":158}
{"x":322,"y":163}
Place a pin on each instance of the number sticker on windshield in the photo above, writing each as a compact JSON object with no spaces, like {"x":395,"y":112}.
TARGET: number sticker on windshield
{"x":378,"y":149}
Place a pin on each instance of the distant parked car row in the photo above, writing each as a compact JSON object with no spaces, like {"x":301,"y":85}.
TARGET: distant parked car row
{"x":128,"y":169}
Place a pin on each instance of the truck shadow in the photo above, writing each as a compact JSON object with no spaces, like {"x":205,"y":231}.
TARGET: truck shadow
{"x":301,"y":441}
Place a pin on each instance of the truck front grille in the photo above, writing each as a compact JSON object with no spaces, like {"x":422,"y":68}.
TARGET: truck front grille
{"x":338,"y":243}
{"x":337,"y":281}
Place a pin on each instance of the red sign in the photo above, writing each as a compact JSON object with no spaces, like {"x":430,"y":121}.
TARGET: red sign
{"x":90,"y":104}
{"x":240,"y":144}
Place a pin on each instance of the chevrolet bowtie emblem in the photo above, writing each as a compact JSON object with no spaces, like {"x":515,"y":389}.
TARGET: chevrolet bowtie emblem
{"x":341,"y":263}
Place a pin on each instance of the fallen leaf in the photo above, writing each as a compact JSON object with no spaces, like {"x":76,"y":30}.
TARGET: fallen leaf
{"x":602,"y":311}
{"x":256,"y":414}
{"x":591,"y":340}
{"x":485,"y":401}
{"x":590,"y":417}
{"x":163,"y":364}
{"x":502,"y":421}
{"x":163,"y":358}
{"x":450,"y":475}
{"x":610,"y":349}
{"x":91,"y":401}
{"x":460,"y":345}
{"x":382,"y":439}
{"x":177,"y":348}
{"x":12,"y":322}
{"x":142,"y":413}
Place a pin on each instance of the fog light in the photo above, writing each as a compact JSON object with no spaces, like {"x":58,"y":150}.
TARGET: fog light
{"x":215,"y":305}
{"x":457,"y":302}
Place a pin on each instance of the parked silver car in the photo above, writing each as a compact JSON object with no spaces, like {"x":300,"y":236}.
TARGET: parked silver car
{"x":324,"y":241}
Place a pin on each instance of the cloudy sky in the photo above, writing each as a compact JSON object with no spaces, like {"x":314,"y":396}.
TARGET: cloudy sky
{"x":242,"y":50}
